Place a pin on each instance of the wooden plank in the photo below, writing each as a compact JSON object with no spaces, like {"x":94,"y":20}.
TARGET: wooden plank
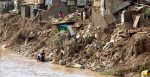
{"x":136,"y":21}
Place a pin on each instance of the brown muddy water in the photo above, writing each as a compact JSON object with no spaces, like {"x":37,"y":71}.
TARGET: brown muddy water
{"x":14,"y":65}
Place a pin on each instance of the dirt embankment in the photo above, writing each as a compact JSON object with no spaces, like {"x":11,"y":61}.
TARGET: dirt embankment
{"x":92,"y":48}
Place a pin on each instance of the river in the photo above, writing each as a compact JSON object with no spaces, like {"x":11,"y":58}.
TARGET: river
{"x":14,"y":65}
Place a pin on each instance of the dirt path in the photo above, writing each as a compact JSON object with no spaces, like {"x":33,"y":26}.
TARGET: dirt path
{"x":14,"y":65}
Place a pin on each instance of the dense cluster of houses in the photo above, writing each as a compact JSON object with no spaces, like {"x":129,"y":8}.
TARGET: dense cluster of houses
{"x":109,"y":8}
{"x":70,"y":5}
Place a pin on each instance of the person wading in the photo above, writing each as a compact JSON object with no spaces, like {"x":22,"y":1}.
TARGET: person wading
{"x":41,"y":56}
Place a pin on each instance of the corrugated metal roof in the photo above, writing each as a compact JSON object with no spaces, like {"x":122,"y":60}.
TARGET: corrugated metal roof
{"x":116,"y":7}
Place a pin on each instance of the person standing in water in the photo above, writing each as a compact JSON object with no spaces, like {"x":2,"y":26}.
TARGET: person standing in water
{"x":41,"y":56}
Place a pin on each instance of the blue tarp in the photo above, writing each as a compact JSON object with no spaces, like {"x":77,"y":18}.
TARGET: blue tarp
{"x":63,"y":27}
{"x":67,"y":28}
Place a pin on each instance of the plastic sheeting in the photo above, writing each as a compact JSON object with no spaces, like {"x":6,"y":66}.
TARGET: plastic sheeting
{"x":66,"y":27}
{"x":71,"y":30}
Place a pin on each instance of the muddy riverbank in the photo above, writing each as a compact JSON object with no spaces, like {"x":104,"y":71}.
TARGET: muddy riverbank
{"x":14,"y":65}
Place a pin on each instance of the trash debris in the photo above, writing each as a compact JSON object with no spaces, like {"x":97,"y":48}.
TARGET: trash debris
{"x":86,"y":43}
{"x":79,"y":66}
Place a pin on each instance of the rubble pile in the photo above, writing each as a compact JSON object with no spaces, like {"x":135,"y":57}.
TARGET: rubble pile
{"x":9,"y":25}
{"x":90,"y":47}
{"x":66,"y":51}
{"x":129,"y":53}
